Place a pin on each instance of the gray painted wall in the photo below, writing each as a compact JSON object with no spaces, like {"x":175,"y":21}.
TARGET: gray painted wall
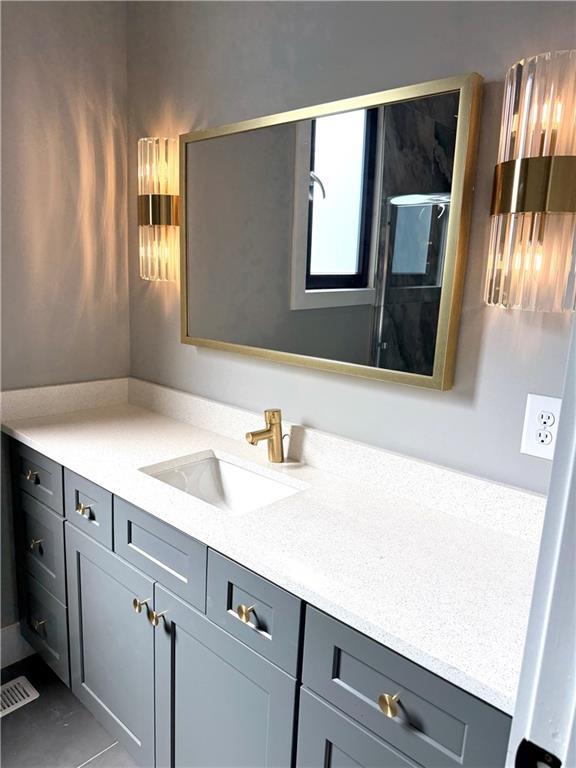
{"x":64,"y":276}
{"x":193,"y":65}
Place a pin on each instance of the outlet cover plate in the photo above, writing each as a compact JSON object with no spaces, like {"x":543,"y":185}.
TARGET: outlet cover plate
{"x":539,"y":408}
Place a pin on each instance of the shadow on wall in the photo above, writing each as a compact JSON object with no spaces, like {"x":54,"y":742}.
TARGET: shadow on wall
{"x":78,"y":157}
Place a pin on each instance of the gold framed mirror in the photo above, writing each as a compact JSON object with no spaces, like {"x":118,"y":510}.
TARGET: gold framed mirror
{"x":334,"y":237}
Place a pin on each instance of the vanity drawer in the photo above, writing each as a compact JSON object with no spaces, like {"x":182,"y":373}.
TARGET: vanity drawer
{"x":41,"y":545}
{"x":39,"y":476}
{"x":437,"y":724}
{"x":272,"y":627}
{"x":44,"y":624}
{"x":88,"y":507}
{"x":329,"y":739}
{"x":176,"y":560}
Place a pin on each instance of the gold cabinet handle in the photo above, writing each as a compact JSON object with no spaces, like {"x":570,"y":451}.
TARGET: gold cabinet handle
{"x":244,"y":611}
{"x":138,"y":604}
{"x":37,"y":624}
{"x":154,"y":617}
{"x":389,"y":704}
{"x":83,"y":509}
{"x":34,"y":543}
{"x":32,"y":476}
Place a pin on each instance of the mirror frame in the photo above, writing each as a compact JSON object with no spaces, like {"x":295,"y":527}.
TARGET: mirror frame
{"x":470,"y":88}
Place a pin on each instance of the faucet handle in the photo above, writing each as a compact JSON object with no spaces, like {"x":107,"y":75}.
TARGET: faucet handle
{"x":273,"y":416}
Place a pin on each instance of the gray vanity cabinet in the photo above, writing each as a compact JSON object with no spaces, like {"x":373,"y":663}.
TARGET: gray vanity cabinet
{"x":111,"y":645}
{"x":218,"y":702}
{"x":182,"y":688}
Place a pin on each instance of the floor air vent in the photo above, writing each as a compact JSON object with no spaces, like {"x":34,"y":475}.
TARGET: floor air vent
{"x":15,"y":694}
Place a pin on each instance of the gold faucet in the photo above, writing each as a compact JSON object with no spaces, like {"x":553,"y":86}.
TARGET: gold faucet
{"x":272,"y":433}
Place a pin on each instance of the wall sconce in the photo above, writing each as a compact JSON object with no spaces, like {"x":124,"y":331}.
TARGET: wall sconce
{"x":532,"y":261}
{"x":158,"y":215}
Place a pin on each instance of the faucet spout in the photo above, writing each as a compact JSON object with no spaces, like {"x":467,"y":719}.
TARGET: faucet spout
{"x":272,"y":433}
{"x":260,"y":434}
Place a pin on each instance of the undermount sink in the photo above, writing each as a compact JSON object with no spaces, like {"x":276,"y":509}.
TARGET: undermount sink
{"x":224,"y":481}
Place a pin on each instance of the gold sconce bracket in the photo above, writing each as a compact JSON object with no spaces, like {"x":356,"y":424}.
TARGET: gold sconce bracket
{"x":158,"y":210}
{"x":545,"y":184}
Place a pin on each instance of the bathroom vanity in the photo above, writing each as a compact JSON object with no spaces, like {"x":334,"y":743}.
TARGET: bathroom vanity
{"x":191,"y":654}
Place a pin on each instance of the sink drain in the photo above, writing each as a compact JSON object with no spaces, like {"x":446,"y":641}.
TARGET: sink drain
{"x":15,"y":694}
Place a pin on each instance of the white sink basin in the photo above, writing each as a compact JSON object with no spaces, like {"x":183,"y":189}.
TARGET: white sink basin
{"x":224,"y":481}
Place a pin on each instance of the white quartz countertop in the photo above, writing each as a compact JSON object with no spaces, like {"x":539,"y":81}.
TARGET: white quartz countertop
{"x":450,"y":592}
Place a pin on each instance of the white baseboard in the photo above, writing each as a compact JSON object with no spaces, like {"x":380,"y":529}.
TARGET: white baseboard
{"x":13,"y":647}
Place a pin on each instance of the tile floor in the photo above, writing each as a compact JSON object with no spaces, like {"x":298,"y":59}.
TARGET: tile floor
{"x":55,"y":730}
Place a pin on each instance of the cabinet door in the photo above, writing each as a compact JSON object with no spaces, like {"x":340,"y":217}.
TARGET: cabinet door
{"x":218,"y":703}
{"x":328,"y":738}
{"x":111,"y":645}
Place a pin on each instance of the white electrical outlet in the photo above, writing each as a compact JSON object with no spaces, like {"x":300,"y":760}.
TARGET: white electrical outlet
{"x":540,"y":426}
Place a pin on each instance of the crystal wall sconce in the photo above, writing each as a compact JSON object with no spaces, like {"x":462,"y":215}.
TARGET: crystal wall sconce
{"x":532,"y":260}
{"x":158,"y":214}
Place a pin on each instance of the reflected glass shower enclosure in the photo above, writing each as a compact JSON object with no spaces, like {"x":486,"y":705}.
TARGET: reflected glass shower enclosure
{"x":409,"y":282}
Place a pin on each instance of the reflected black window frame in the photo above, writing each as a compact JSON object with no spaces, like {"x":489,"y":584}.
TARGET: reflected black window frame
{"x":360,"y":278}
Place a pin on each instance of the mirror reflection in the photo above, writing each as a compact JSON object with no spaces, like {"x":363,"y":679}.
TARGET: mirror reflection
{"x":325,"y":237}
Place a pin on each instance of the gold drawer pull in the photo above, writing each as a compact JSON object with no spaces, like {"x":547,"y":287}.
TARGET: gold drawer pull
{"x":154,"y":618}
{"x":84,"y":509}
{"x":389,"y":704}
{"x":139,"y":604}
{"x":34,"y":543}
{"x":32,"y":477}
{"x":244,"y":611}
{"x":38,"y":624}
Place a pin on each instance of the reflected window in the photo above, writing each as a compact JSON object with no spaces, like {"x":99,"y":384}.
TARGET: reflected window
{"x":341,"y":189}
